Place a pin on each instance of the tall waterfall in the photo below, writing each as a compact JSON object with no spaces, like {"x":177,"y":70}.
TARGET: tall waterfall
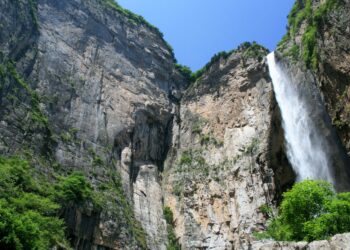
{"x":305,"y":145}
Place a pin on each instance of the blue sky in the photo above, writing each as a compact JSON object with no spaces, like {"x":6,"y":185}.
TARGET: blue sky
{"x":197,"y":29}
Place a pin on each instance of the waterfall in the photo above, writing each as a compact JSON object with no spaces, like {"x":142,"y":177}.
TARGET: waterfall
{"x":305,"y":145}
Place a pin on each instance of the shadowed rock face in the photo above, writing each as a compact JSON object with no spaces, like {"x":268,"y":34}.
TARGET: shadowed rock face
{"x":333,"y":74}
{"x":104,"y":83}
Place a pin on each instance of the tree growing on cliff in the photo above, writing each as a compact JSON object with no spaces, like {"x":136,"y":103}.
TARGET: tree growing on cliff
{"x":28,"y":214}
{"x":311,"y":210}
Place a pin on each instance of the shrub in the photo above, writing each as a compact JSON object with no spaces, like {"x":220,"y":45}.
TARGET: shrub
{"x":252,"y":147}
{"x":186,"y":158}
{"x":311,"y":211}
{"x":185,"y":71}
{"x":168,"y":215}
{"x":197,"y":127}
{"x":173,"y":243}
{"x":303,"y":11}
{"x":74,"y":188}
{"x":27,"y":214}
{"x":266,"y":210}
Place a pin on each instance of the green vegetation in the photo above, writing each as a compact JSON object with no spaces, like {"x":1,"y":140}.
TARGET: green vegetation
{"x":198,"y":123}
{"x":186,"y":158}
{"x":252,"y":147}
{"x":185,"y":71}
{"x":207,"y":139}
{"x":311,"y":210}
{"x":198,"y":74}
{"x":254,"y":50}
{"x":9,"y":73}
{"x":293,"y":52}
{"x":303,"y":11}
{"x":192,"y":161}
{"x":30,"y":205}
{"x":197,"y":128}
{"x":251,"y":50}
{"x":266,"y":210}
{"x":23,"y":7}
{"x":309,"y":47}
{"x":178,"y":189}
{"x":74,"y":188}
{"x":28,"y":209}
{"x":111,"y":191}
{"x":173,"y":243}
{"x":97,"y":161}
{"x":66,"y":137}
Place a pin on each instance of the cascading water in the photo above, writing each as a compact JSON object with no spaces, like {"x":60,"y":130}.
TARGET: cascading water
{"x":304,"y":143}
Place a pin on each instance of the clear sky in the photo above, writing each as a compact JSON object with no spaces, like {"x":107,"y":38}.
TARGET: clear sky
{"x":197,"y":29}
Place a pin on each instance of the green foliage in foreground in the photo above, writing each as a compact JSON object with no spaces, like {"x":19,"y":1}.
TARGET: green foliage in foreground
{"x":27,"y":212}
{"x":29,"y":206}
{"x":311,"y":210}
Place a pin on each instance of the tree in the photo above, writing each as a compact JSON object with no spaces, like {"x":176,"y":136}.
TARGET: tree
{"x":74,"y":188}
{"x":311,"y":210}
{"x":27,"y":218}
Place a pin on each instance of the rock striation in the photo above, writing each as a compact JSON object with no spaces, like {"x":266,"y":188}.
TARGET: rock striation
{"x":88,"y":86}
{"x":103,"y":82}
{"x":218,"y":174}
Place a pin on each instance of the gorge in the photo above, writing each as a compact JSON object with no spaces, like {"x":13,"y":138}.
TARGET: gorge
{"x":105,"y":135}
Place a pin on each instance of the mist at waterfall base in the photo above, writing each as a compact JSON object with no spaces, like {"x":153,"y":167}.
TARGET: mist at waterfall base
{"x":305,"y":145}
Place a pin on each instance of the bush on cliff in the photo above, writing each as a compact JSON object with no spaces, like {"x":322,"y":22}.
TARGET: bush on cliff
{"x":27,"y":212}
{"x":173,"y":243}
{"x":311,"y":210}
{"x":30,"y":205}
{"x":74,"y":188}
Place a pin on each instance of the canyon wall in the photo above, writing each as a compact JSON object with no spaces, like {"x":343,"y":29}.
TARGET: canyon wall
{"x":88,"y":86}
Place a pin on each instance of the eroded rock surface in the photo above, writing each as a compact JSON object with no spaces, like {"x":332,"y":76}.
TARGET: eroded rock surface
{"x":104,"y":82}
{"x":217,"y":176}
{"x":88,"y":87}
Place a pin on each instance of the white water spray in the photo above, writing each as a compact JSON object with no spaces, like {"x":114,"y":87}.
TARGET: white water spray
{"x":305,"y":145}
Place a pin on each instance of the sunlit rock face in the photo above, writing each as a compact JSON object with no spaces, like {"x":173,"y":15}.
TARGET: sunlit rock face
{"x":219,"y":172}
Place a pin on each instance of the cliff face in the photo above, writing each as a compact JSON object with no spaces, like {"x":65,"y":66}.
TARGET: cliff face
{"x":333,"y":71}
{"x":318,"y":43}
{"x":88,"y":87}
{"x":219,"y":176}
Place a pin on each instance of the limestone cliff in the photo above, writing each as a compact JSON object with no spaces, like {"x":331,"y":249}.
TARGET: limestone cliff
{"x":219,"y":173}
{"x":317,"y":42}
{"x":86,"y":85}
